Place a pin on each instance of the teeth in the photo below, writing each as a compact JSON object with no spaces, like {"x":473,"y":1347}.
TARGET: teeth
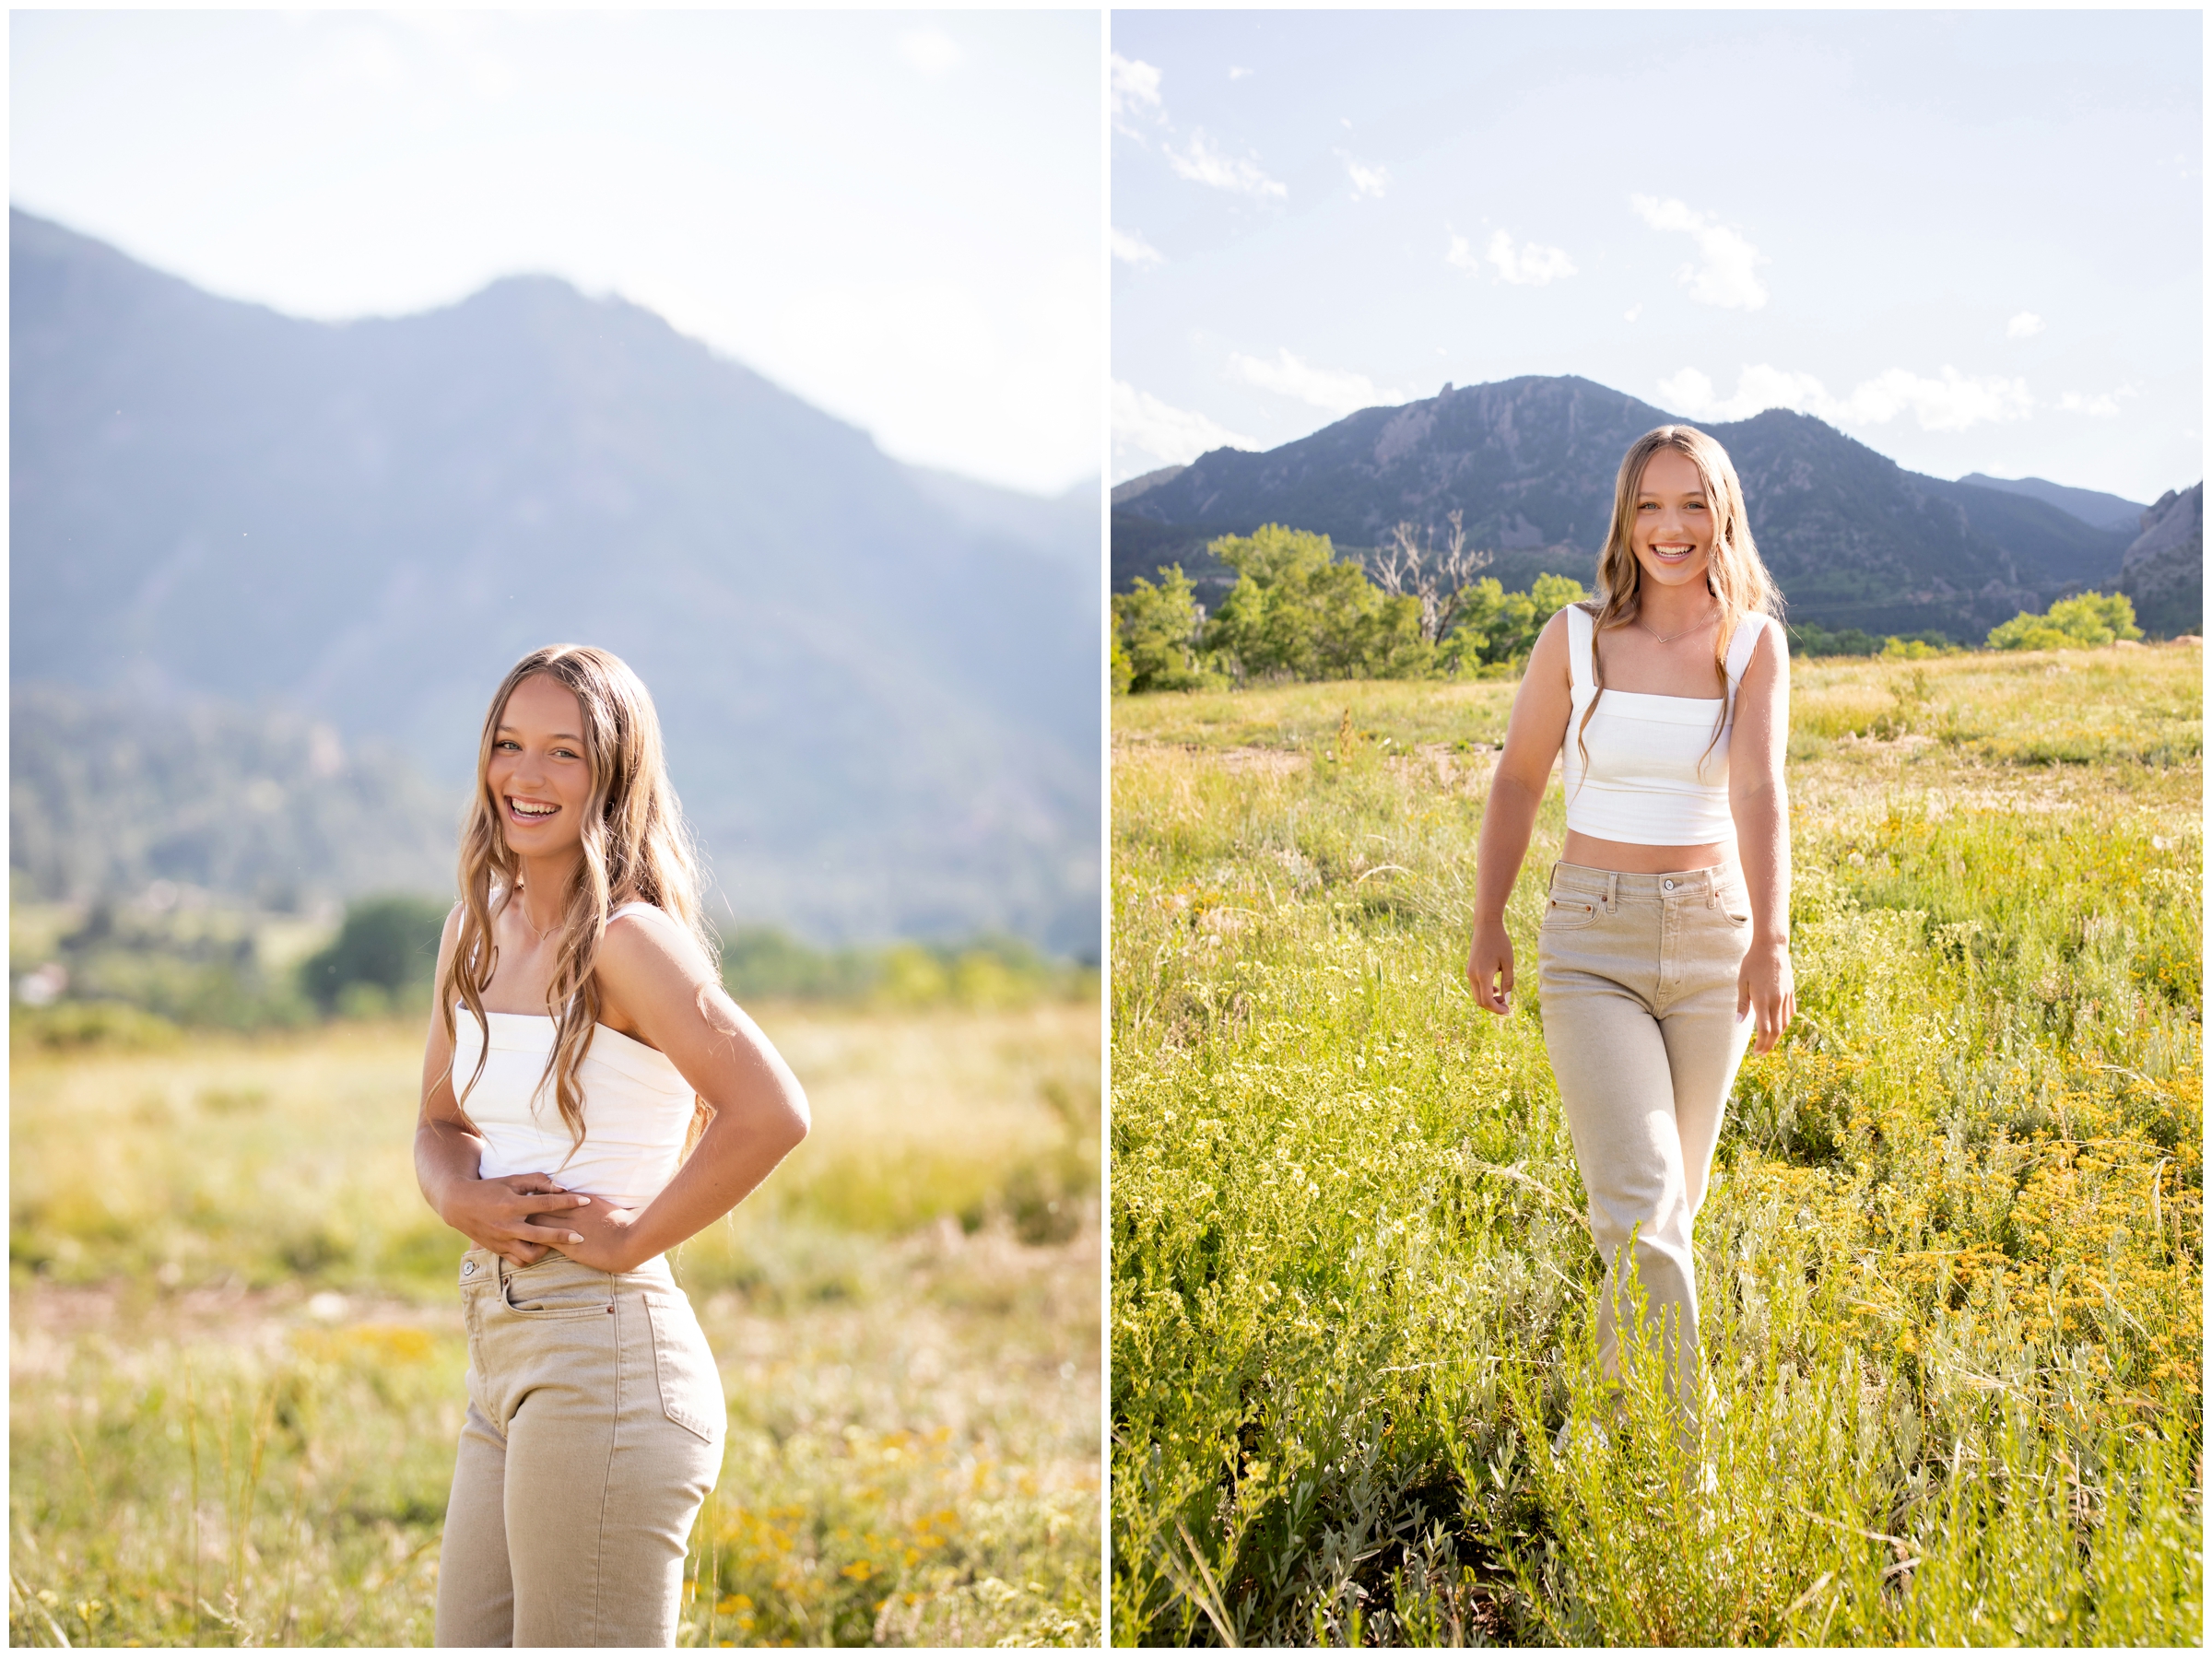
{"x":534,"y":811}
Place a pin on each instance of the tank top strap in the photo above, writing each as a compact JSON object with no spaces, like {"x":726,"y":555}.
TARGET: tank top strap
{"x":1582,"y":629}
{"x":1748,"y":633}
{"x":633,"y":909}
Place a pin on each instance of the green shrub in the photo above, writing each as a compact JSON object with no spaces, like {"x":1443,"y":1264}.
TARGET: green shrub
{"x":2082,"y":622}
{"x":388,"y":945}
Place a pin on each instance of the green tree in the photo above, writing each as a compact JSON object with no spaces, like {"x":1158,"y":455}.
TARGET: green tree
{"x":1299,"y":611}
{"x":388,"y":945}
{"x":1498,"y":625}
{"x":2082,"y":622}
{"x":1155,"y":631}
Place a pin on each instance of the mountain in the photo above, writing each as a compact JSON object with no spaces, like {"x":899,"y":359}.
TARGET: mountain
{"x":2163,"y":572}
{"x":879,"y":689}
{"x":2093,"y":507}
{"x":1853,"y":539}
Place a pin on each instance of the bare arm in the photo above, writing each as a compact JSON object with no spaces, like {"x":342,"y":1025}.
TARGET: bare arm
{"x":492,"y":1214}
{"x":1760,"y":805}
{"x":1533,"y":734}
{"x":650,"y":970}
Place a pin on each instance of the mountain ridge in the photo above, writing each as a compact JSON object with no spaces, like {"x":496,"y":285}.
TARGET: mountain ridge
{"x":881,"y":715}
{"x":1852,"y":538}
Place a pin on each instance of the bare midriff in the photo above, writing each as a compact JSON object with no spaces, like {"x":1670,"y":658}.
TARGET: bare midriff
{"x":1622,"y":858}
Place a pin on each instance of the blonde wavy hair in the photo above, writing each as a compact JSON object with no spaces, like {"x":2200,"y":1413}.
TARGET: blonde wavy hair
{"x":1735,"y":576}
{"x":634,"y":840}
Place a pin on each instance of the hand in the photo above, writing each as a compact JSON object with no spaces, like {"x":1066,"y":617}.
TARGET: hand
{"x":1767,"y":986}
{"x":601,"y":1236}
{"x":1491,"y":968}
{"x":510,"y":1215}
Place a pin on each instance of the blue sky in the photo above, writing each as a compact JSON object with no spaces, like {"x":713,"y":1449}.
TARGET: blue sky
{"x":1972,"y":241}
{"x":895,"y":215}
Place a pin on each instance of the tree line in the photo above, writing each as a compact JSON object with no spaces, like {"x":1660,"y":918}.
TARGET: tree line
{"x":1418,"y":610}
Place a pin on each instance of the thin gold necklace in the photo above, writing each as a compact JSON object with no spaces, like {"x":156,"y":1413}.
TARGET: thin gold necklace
{"x":521,"y":913}
{"x":1670,"y":638}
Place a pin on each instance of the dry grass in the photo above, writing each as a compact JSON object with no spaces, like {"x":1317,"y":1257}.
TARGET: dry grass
{"x":236,"y":1359}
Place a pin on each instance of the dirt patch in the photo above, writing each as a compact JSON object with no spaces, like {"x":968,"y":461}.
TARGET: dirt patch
{"x":1447,"y":766}
{"x":1264,"y":762}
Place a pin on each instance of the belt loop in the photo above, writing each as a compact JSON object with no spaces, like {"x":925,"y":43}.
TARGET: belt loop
{"x":1551,"y":875}
{"x":1713,"y":889}
{"x":1611,"y":889}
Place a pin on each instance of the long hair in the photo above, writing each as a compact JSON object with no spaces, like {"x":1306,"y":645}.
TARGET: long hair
{"x":634,"y":838}
{"x":1735,"y":575}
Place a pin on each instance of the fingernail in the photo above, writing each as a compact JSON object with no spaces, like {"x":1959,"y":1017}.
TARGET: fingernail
{"x":575,"y":1238}
{"x":583,"y":1202}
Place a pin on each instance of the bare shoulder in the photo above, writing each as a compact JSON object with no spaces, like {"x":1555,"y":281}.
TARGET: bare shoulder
{"x":1769,"y":660}
{"x":1548,"y":654}
{"x":649,"y":948}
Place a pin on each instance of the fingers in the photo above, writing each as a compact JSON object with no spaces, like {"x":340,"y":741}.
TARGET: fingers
{"x":550,"y":1233}
{"x":531,"y":1183}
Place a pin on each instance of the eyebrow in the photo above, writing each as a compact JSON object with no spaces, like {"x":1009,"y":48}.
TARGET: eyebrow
{"x":558,"y":736}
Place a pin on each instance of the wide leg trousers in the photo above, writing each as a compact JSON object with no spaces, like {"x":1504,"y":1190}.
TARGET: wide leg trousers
{"x":1638,"y":974}
{"x":594,"y":1431}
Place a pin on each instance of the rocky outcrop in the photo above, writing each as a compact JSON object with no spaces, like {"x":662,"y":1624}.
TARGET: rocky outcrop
{"x":2162,"y":573}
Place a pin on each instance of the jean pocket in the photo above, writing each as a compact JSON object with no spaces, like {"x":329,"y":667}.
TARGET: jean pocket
{"x":1564,"y":914}
{"x":684,"y":1364}
{"x":556,"y":1287}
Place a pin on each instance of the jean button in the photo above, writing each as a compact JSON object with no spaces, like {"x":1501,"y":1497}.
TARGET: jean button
{"x":468,"y":1268}
{"x":1668,"y":885}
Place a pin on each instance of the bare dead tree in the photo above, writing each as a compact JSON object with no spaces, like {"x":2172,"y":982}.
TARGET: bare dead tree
{"x":1438,"y":576}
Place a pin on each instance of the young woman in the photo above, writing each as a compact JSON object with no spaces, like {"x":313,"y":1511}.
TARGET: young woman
{"x":580,"y":1045}
{"x":1665,"y":943}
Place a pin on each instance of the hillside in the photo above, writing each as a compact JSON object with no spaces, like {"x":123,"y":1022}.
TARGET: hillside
{"x":880,"y":687}
{"x":1855,"y":539}
{"x":2163,"y":571}
{"x":2093,"y":507}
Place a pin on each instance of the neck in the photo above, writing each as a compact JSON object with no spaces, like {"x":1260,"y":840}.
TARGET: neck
{"x":1670,"y":609}
{"x":543,"y":885}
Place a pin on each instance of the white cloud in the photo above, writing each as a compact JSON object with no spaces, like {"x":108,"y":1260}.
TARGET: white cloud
{"x":1237,"y":74}
{"x":1948,"y":401}
{"x":2024,"y":325}
{"x":1728,"y":276}
{"x":1132,"y":84}
{"x":1203,"y":164}
{"x":1366,"y":181}
{"x":930,"y":50}
{"x":1632,"y":312}
{"x":1146,"y":429}
{"x":1528,"y":265}
{"x":1337,"y":390}
{"x":2103,"y":405}
{"x":1131,"y":248}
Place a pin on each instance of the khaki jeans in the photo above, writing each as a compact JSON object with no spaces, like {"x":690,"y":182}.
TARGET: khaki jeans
{"x":593,"y":1433}
{"x":1638,"y":976}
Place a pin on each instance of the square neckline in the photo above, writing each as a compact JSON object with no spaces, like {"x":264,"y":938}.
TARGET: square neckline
{"x":1582,"y":685}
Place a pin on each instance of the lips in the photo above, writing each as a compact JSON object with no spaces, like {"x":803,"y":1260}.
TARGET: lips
{"x":530,"y":811}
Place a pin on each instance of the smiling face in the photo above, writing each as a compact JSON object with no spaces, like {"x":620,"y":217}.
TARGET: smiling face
{"x":1673,"y":539}
{"x":538,"y":776}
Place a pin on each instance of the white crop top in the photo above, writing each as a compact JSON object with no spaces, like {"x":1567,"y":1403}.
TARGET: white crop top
{"x":637,"y":1106}
{"x":1656,"y":774}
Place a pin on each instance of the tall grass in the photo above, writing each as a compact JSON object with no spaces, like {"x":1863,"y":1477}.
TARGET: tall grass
{"x":1949,"y":1265}
{"x":236,"y":1355}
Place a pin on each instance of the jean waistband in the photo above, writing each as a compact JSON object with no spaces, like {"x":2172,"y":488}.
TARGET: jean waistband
{"x":1612,"y":887}
{"x":481,"y":1266}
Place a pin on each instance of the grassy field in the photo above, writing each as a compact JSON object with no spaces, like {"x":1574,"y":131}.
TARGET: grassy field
{"x":236,"y":1352}
{"x":1951,"y":1261}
